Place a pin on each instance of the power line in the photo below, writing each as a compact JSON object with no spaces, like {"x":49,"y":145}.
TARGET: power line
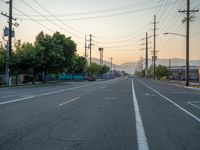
{"x":34,"y":20}
{"x":125,"y":7}
{"x":107,"y":15}
{"x":58,"y":18}
{"x":49,"y":19}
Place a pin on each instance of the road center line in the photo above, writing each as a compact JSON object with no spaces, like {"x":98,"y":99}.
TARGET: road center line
{"x":74,"y":99}
{"x":44,"y":94}
{"x":16,"y":100}
{"x":172,"y":102}
{"x":141,"y":137}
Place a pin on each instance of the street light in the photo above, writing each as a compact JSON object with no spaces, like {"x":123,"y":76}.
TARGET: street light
{"x":187,"y":56}
{"x":174,"y":34}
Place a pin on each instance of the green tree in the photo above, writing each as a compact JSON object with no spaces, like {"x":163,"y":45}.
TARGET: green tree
{"x":161,"y":71}
{"x":25,"y":60}
{"x":2,"y":60}
{"x":103,"y":69}
{"x":80,"y":64}
{"x":51,"y":51}
{"x":93,"y":69}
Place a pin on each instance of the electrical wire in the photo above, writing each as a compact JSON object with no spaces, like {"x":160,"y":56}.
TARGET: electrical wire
{"x":50,"y":20}
{"x":58,"y":18}
{"x":34,"y":20}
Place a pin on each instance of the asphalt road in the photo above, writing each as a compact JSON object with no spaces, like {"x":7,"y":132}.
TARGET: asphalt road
{"x":119,"y":114}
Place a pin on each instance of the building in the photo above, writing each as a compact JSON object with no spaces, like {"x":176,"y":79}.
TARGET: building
{"x":179,"y":73}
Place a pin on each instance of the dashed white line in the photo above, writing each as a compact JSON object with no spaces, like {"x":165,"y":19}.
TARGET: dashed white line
{"x":172,"y":102}
{"x":16,"y":100}
{"x":141,"y":137}
{"x":43,"y":94}
{"x":74,"y":99}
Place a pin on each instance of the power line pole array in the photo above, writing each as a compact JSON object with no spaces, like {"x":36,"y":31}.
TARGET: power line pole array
{"x":187,"y":20}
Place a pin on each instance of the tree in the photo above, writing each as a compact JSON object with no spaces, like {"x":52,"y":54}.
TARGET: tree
{"x":80,"y":64}
{"x":2,"y":60}
{"x":54,"y":51}
{"x":93,"y":69}
{"x":24,"y":60}
{"x":103,"y":69}
{"x":161,"y":71}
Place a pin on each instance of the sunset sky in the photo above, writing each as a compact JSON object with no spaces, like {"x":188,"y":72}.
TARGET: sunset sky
{"x":116,"y":25}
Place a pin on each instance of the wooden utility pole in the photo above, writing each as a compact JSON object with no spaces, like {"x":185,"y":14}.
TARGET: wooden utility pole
{"x":146,"y":64}
{"x":188,"y":20}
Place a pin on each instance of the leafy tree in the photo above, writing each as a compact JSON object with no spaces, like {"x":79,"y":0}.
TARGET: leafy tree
{"x":161,"y":71}
{"x":80,"y":64}
{"x":2,"y":60}
{"x":93,"y":69}
{"x":103,"y":69}
{"x":25,"y":60}
{"x":50,"y":51}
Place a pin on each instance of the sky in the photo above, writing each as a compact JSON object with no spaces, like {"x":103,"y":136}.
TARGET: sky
{"x":119,"y":26}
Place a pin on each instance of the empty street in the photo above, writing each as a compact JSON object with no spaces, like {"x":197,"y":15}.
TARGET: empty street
{"x":119,"y":114}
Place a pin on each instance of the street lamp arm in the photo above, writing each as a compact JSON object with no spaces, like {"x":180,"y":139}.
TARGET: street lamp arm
{"x":175,"y":34}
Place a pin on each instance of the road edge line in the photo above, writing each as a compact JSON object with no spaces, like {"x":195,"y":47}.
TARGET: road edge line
{"x":172,"y":102}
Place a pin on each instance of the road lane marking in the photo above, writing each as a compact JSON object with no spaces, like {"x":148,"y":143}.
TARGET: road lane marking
{"x":103,"y":87}
{"x":44,"y":94}
{"x":110,"y":98}
{"x":16,"y":100}
{"x":53,"y":92}
{"x":141,"y":137}
{"x":172,"y":102}
{"x":13,"y":95}
{"x":193,"y":103}
{"x":74,"y":99}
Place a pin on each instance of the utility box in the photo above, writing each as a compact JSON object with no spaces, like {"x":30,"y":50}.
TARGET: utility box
{"x":6,"y":32}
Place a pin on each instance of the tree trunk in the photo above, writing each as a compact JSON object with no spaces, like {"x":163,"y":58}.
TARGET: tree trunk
{"x":44,"y":76}
{"x":33,"y":81}
{"x":16,"y":80}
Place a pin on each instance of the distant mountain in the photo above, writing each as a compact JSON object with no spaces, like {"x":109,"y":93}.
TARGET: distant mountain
{"x":129,"y":64}
{"x":129,"y":67}
{"x":177,"y":62}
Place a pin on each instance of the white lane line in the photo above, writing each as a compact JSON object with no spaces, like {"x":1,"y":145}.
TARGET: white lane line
{"x":16,"y":100}
{"x":172,"y":102}
{"x":13,"y":95}
{"x":74,"y":99}
{"x":44,"y":94}
{"x":52,"y":92}
{"x":141,"y":137}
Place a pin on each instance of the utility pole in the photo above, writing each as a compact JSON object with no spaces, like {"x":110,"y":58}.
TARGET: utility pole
{"x":188,"y":20}
{"x":154,"y":49}
{"x":169,"y":63}
{"x":10,"y":33}
{"x":85,"y":47}
{"x":146,"y":64}
{"x":90,"y":46}
{"x":111,"y":63}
